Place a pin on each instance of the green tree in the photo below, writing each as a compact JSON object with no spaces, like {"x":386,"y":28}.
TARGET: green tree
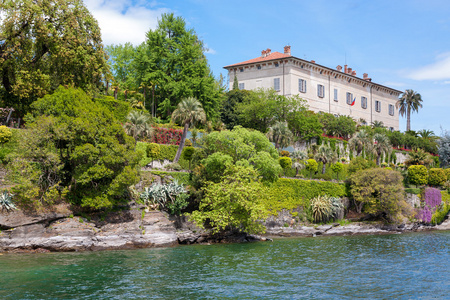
{"x":235,"y":202}
{"x":138,"y":125}
{"x":381,"y":146}
{"x":311,"y":166}
{"x":280,"y":135}
{"x":228,"y":113}
{"x":444,"y":148}
{"x":78,"y":147}
{"x":380,"y":192}
{"x":153,"y":151}
{"x":360,"y":142}
{"x":305,"y":125}
{"x":188,"y":111}
{"x":285,"y":163}
{"x":337,"y":168}
{"x":187,"y":154}
{"x":44,"y":44}
{"x":325,"y":155}
{"x":359,"y":163}
{"x":410,"y":101}
{"x":418,"y":175}
{"x":172,"y":61}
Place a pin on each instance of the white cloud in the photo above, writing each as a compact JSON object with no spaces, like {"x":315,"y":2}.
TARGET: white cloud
{"x":124,"y":21}
{"x":209,"y":50}
{"x":438,"y":70}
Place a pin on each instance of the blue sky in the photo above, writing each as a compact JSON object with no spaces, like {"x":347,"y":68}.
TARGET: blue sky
{"x":404,"y":44}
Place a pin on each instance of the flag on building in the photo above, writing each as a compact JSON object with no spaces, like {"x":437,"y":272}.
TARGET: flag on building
{"x":353,"y":102}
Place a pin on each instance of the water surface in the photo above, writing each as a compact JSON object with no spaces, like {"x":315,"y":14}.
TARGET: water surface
{"x":409,"y":266}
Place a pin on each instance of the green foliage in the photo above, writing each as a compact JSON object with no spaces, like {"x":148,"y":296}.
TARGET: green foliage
{"x":380,"y":192}
{"x":166,"y":152}
{"x":439,"y":216}
{"x":321,"y":208}
{"x":285,"y":163}
{"x":340,"y":126}
{"x":45,"y":44}
{"x":215,"y":165}
{"x":337,"y":168}
{"x":436,"y":177}
{"x":285,"y":153}
{"x":358,"y":163}
{"x":171,"y":196}
{"x":418,"y":175}
{"x":229,"y":114}
{"x":267,"y":167}
{"x":414,"y":191}
{"x":173,"y":59}
{"x":444,"y":149}
{"x":235,"y":202}
{"x":280,"y":135}
{"x":187,"y":154}
{"x":6,"y":202}
{"x":153,"y":150}
{"x":5,"y":134}
{"x":311,"y":166}
{"x":292,"y":193}
{"x":77,"y":145}
{"x":120,"y":109}
{"x":174,"y":166}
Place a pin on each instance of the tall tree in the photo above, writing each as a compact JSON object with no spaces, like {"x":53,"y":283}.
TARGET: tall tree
{"x":325,"y":155}
{"x":360,"y":142}
{"x":381,"y":146}
{"x":280,"y":135}
{"x":189,"y":110}
{"x":45,"y":44}
{"x":172,"y":60}
{"x":410,"y":101}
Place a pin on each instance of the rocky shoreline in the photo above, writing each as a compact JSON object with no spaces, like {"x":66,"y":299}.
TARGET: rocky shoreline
{"x":134,"y":228}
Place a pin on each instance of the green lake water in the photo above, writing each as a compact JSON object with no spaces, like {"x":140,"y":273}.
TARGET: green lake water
{"x":407,"y":266}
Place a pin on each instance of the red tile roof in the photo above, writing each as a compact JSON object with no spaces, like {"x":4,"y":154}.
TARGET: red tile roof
{"x":271,"y":56}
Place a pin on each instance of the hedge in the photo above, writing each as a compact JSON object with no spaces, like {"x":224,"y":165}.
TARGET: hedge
{"x":167,"y":135}
{"x":119,"y":108}
{"x":166,"y":152}
{"x":436,"y":177}
{"x":291,"y":193}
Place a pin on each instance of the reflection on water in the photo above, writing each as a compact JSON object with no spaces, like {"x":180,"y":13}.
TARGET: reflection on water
{"x":382,"y":267}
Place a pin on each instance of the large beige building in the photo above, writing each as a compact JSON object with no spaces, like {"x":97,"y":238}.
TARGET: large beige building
{"x":338,"y":91}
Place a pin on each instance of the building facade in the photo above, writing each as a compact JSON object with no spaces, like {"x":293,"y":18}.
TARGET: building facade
{"x":337,"y":91}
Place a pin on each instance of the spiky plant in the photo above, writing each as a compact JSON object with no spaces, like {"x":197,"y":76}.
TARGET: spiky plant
{"x":6,"y":201}
{"x":321,"y":209}
{"x":336,"y":208}
{"x":171,"y":196}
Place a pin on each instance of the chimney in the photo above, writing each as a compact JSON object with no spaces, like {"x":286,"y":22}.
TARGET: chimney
{"x":349,"y":70}
{"x":313,"y":61}
{"x":354,"y":73}
{"x":268,"y":51}
{"x":366,"y":77}
{"x":345,"y":69}
{"x":339,"y":68}
{"x":287,"y":50}
{"x":263,"y":53}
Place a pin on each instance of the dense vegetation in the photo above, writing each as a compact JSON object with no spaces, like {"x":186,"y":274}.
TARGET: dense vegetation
{"x":92,"y":124}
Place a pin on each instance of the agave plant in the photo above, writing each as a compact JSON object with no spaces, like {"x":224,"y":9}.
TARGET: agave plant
{"x":6,"y":201}
{"x":336,"y":208}
{"x":165,"y":196}
{"x":321,"y":208}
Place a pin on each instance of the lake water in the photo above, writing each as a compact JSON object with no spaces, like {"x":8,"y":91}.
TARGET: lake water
{"x":408,"y":266}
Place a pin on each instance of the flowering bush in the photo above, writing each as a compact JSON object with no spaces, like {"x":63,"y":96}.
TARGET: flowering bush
{"x":432,"y":198}
{"x":169,"y":136}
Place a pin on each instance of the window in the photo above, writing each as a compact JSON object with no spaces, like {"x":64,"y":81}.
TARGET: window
{"x":377,"y":106}
{"x":349,"y":98}
{"x":258,"y":67}
{"x":241,"y":86}
{"x":391,"y":109}
{"x":391,"y":129}
{"x":302,"y":85}
{"x":320,"y":91}
{"x":276,"y":65}
{"x":276,"y":84}
{"x":335,"y":95}
{"x":241,"y":70}
{"x":364,"y":102}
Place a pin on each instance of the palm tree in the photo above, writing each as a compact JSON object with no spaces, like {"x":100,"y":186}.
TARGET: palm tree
{"x":325,"y":155}
{"x":377,"y":124}
{"x":298,"y":157}
{"x":418,"y":157}
{"x":359,"y":142}
{"x":188,"y":111}
{"x":381,"y":146}
{"x":280,"y":135}
{"x":409,"y":101}
{"x":427,"y":134}
{"x":138,"y":125}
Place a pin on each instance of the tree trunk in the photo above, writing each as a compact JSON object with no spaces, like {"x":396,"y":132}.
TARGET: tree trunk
{"x":183,"y":139}
{"x":323,"y":168}
{"x":408,"y":118}
{"x":378,"y":159}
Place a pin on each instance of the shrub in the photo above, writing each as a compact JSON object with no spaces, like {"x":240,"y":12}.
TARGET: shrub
{"x":187,"y":143}
{"x":311,"y":166}
{"x":432,"y":198}
{"x":359,"y":163}
{"x":153,"y":151}
{"x":284,"y":153}
{"x":418,"y":174}
{"x":285,"y":163}
{"x":187,"y":154}
{"x":118,"y":108}
{"x":174,"y":166}
{"x":171,"y":196}
{"x":447,"y":173}
{"x":337,"y":168}
{"x":5,"y":134}
{"x":6,"y":202}
{"x":321,"y":209}
{"x":379,"y":192}
{"x":436,"y":177}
